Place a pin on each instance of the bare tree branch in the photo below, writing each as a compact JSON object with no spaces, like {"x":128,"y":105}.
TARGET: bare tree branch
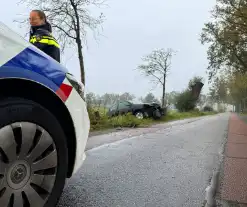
{"x":60,"y":28}
{"x":71,"y":19}
{"x":156,"y":66}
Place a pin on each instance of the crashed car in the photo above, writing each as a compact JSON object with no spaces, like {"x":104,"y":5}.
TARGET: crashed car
{"x":142,"y":110}
{"x":44,"y":124}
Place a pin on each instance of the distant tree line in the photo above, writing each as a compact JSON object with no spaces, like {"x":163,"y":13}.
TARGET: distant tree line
{"x":109,"y":99}
{"x":183,"y":101}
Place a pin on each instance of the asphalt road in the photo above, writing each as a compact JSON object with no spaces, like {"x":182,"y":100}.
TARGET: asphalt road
{"x":170,"y":165}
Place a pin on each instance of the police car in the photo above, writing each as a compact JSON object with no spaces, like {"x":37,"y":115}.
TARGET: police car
{"x":44,"y":124}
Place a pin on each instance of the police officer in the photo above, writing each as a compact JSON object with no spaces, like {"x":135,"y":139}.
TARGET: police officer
{"x":41,"y":35}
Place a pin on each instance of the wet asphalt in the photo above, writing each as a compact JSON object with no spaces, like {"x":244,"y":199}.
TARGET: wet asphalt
{"x":168,"y":165}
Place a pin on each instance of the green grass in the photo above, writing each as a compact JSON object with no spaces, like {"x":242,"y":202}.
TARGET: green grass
{"x":243,"y":114}
{"x":129,"y":121}
{"x":184,"y":115}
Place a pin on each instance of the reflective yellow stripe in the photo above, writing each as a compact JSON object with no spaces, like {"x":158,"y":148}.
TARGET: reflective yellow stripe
{"x":45,"y":40}
{"x":49,"y":42}
{"x":49,"y":38}
{"x":31,"y":40}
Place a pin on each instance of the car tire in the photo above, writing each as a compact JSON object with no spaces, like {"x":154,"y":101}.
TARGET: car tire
{"x":33,"y":155}
{"x":157,"y":114}
{"x":139,"y":115}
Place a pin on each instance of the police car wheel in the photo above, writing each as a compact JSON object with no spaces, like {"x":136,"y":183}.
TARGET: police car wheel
{"x":33,"y":155}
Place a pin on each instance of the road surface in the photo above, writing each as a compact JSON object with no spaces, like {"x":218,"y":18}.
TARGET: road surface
{"x":170,"y":165}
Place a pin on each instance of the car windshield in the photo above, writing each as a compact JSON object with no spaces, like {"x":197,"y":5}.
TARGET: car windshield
{"x":113,"y":107}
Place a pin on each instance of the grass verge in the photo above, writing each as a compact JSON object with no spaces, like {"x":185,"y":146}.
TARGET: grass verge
{"x":184,"y":115}
{"x":103,"y":122}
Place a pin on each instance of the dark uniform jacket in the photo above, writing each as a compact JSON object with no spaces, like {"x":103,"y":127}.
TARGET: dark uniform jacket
{"x":43,"y":39}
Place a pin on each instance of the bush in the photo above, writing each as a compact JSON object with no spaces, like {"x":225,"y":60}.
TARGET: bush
{"x":185,"y":101}
{"x":99,"y":120}
{"x":127,"y":120}
{"x":196,"y":110}
{"x":222,"y":110}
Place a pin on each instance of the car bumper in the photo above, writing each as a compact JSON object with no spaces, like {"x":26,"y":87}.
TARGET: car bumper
{"x":78,"y":110}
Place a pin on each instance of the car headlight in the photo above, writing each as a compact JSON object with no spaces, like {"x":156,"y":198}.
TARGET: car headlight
{"x":79,"y":87}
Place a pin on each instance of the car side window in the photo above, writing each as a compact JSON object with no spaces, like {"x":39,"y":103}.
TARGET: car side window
{"x":124,"y":105}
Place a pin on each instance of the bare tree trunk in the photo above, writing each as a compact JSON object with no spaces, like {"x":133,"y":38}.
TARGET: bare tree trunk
{"x":81,"y":60}
{"x":163,"y":92}
{"x":79,"y":43}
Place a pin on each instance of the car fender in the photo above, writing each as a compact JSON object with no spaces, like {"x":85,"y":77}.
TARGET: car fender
{"x":15,"y":72}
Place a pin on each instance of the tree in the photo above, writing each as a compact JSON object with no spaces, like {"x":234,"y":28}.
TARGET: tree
{"x":171,"y":97}
{"x":226,"y":35}
{"x":195,"y":85}
{"x":218,"y":90}
{"x":90,"y":99}
{"x":237,"y":86}
{"x":156,"y":66}
{"x":109,"y":99}
{"x":194,"y":81}
{"x":187,"y":100}
{"x":70,"y":19}
{"x":126,"y":97}
{"x":202,"y":100}
{"x":150,"y":98}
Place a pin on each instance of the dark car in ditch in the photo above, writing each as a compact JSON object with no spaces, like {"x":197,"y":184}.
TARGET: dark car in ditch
{"x":142,"y":110}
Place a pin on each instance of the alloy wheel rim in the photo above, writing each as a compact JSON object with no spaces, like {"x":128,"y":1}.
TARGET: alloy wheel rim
{"x":139,"y":115}
{"x":28,"y":165}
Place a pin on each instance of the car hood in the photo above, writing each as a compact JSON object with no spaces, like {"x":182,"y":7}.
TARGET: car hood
{"x":151,"y":104}
{"x":142,"y":105}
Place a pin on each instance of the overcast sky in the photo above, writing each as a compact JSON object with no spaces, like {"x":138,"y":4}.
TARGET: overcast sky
{"x":134,"y":28}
